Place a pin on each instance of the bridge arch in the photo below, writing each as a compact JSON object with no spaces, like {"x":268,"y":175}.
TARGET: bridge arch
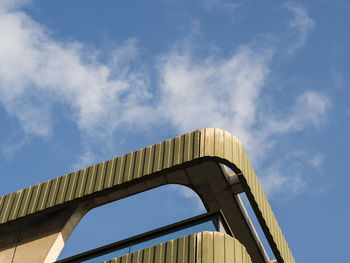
{"x":131,"y":216}
{"x":44,"y":215}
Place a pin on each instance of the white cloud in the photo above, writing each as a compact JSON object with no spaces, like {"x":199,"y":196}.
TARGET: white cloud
{"x":301,"y":23}
{"x":337,"y":79}
{"x":213,"y":92}
{"x":309,"y":109}
{"x":291,"y":171}
{"x":13,"y":4}
{"x":225,"y":5}
{"x":85,"y":159}
{"x":191,"y":195}
{"x":317,"y":160}
{"x":38,"y":72}
{"x":9,"y":149}
{"x":227,"y":93}
{"x":275,"y":182}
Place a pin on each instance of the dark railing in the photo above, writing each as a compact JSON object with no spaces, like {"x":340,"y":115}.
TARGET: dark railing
{"x":216,"y":218}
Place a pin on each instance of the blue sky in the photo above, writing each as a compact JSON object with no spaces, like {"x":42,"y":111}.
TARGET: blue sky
{"x":84,"y":81}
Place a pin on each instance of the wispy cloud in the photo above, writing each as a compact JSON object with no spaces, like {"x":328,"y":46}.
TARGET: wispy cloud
{"x":6,"y":5}
{"x":227,"y":93}
{"x":282,"y":176}
{"x":301,"y":23}
{"x":317,"y":160}
{"x":225,"y":5}
{"x":212,"y":92}
{"x":308,"y":110}
{"x":186,"y":192}
{"x":38,"y":72}
{"x":11,"y":147}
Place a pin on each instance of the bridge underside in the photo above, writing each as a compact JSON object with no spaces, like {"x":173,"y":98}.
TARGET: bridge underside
{"x":36,"y":222}
{"x":42,"y":237}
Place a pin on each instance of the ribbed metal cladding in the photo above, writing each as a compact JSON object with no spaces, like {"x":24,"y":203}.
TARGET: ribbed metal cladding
{"x":221,"y":144}
{"x":204,"y":247}
{"x":215,"y":143}
{"x":99,"y":177}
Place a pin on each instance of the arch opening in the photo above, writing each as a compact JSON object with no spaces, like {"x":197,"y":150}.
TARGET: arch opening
{"x":136,"y":214}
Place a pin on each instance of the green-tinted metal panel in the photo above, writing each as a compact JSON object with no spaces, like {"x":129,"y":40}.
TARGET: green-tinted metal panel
{"x":208,"y":142}
{"x":238,"y":253}
{"x":52,"y":193}
{"x":25,"y":202}
{"x":214,"y":143}
{"x":182,"y":249}
{"x":219,"y":248}
{"x":81,"y":183}
{"x":16,"y":205}
{"x":91,"y":178}
{"x":178,"y":150}
{"x":243,"y":257}
{"x":202,"y":247}
{"x":71,"y":186}
{"x":34,"y":198}
{"x":148,"y":255}
{"x":196,"y":144}
{"x":229,"y":252}
{"x":126,"y":259}
{"x":129,"y":167}
{"x":5,"y":210}
{"x":121,"y":160}
{"x":2,"y":200}
{"x":42,"y":198}
{"x":139,"y":161}
{"x":62,"y":190}
{"x":168,"y":153}
{"x":228,"y":146}
{"x":199,"y":247}
{"x":171,"y":249}
{"x":111,"y":165}
{"x":137,"y":257}
{"x":159,"y":255}
{"x":158,"y":157}
{"x":219,"y":143}
{"x":192,"y":248}
{"x":188,"y":147}
{"x":240,"y":160}
{"x":207,"y":247}
{"x":148,"y":166}
{"x":100,"y":177}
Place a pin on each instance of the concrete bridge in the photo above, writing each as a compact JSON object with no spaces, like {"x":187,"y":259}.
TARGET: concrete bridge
{"x":36,"y":222}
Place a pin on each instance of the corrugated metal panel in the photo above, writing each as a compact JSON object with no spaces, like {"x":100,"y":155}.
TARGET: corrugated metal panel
{"x":148,"y":255}
{"x":209,"y":147}
{"x":206,"y":247}
{"x":99,"y":177}
{"x":198,"y":144}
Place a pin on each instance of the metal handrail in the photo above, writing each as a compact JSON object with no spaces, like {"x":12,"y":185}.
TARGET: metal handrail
{"x":128,"y":242}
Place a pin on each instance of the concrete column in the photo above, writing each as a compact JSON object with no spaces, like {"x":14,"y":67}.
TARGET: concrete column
{"x":39,"y":239}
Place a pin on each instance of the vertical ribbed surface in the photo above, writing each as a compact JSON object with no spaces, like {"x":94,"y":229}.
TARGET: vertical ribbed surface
{"x":100,"y":176}
{"x":219,"y":143}
{"x":205,"y":143}
{"x":204,"y":247}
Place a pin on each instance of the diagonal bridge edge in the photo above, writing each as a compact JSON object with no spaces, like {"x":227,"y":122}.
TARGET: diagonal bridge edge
{"x":209,"y":143}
